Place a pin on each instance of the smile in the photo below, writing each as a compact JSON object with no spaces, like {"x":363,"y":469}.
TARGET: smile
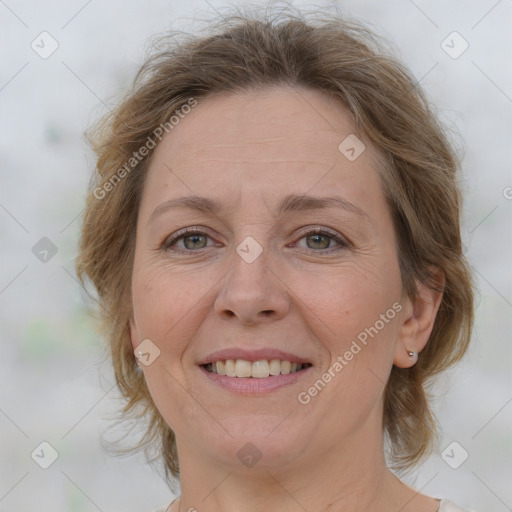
{"x":241,"y":368}
{"x":244,"y":377}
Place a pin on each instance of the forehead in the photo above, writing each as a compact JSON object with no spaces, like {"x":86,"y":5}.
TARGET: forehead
{"x":260,"y":141}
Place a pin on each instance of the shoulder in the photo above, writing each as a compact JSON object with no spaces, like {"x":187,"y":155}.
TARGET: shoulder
{"x":448,"y":506}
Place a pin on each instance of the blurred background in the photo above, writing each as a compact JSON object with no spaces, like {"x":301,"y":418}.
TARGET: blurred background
{"x":63,"y":64}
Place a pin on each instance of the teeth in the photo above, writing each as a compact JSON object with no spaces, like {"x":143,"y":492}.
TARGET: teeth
{"x":230,"y":368}
{"x":275,"y":367}
{"x":221,"y":367}
{"x":243,"y":368}
{"x":258,"y":369}
{"x":286,"y":367}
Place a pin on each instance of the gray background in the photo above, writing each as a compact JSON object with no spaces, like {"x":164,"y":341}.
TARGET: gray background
{"x":55,"y":385}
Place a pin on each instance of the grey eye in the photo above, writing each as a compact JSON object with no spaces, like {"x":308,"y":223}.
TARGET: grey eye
{"x":318,"y":241}
{"x":196,"y":241}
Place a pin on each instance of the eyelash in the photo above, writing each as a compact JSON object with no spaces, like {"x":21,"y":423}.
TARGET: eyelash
{"x":168,"y":242}
{"x":180,"y":235}
{"x":342,"y":242}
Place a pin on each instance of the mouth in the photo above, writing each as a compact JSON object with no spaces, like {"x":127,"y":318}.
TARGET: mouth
{"x":261,"y":369}
{"x":250,"y":378}
{"x":253,"y":372}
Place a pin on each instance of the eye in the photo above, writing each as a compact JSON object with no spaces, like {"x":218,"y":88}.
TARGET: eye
{"x":187,"y":240}
{"x":321,"y":240}
{"x":193,"y":240}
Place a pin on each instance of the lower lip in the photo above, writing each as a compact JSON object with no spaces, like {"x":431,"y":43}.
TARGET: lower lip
{"x":252,"y":385}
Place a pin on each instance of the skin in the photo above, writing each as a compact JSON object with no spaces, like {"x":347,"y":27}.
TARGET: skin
{"x":304,"y":294}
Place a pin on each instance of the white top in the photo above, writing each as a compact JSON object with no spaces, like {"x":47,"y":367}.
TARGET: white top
{"x":445,"y":506}
{"x":448,"y":506}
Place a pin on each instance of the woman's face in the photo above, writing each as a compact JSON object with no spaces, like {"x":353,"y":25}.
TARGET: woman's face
{"x":264,"y":239}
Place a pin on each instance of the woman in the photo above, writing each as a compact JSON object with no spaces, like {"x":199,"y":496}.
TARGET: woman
{"x":274,"y":237}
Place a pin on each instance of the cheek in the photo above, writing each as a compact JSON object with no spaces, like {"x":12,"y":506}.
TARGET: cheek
{"x":166,"y":303}
{"x":347,"y":300}
{"x":351,"y":315}
{"x":166,"y":308}
{"x":356,"y":325}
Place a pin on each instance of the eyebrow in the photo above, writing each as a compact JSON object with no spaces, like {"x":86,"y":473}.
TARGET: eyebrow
{"x":290,"y":203}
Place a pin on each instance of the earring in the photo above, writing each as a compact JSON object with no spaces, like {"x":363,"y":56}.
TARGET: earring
{"x":413,"y":356}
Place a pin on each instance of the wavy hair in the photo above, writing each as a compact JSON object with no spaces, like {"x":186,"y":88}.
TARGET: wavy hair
{"x":419,"y":171}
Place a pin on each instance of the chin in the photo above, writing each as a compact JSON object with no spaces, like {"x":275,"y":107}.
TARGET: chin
{"x":265,"y":442}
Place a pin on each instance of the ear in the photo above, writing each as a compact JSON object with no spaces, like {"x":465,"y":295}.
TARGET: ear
{"x":418,"y":320}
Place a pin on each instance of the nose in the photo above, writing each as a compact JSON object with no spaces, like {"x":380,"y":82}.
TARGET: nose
{"x":252,"y":292}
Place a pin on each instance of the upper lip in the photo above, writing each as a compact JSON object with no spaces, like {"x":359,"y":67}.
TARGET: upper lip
{"x":252,"y":355}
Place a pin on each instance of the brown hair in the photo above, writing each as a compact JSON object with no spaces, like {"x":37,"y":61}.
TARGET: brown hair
{"x":419,"y":171}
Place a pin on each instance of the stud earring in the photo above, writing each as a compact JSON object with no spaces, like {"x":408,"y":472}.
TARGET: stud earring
{"x":413,"y":356}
